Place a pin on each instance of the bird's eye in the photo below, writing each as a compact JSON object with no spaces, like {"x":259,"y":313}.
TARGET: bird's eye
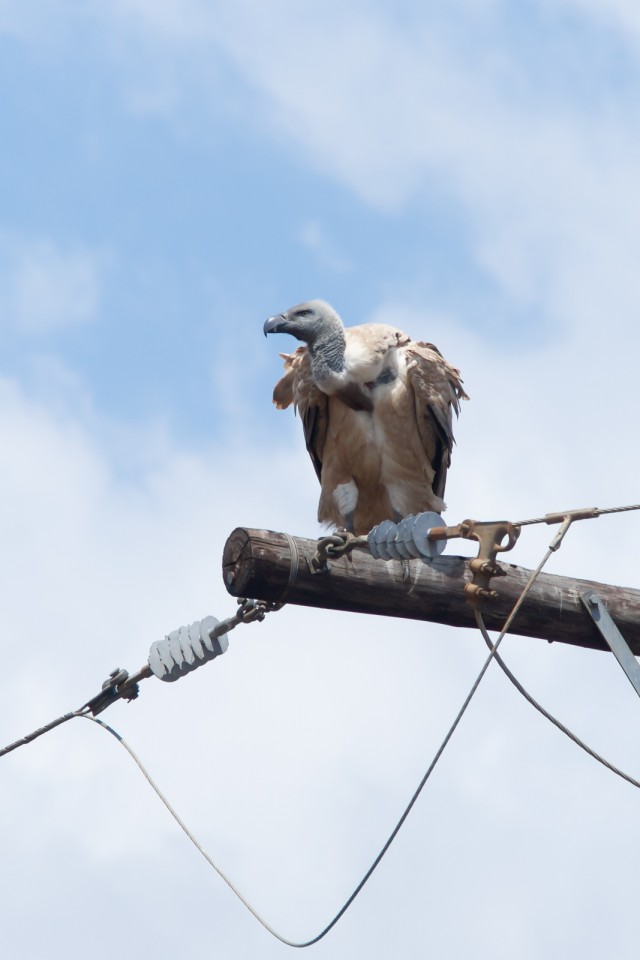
{"x":304,"y":313}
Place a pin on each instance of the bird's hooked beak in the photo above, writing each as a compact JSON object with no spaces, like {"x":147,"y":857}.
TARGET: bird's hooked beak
{"x":277,"y":324}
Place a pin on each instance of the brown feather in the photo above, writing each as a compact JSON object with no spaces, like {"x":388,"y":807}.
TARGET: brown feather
{"x":396,"y":446}
{"x":297,"y":387}
{"x":438,"y":390}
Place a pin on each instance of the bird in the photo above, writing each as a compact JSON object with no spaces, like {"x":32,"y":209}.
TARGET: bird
{"x":376,"y":410}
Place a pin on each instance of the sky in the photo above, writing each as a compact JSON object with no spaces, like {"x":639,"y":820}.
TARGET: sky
{"x":172,"y":174}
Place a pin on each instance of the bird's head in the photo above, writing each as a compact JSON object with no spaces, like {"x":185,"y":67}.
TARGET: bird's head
{"x":310,"y":321}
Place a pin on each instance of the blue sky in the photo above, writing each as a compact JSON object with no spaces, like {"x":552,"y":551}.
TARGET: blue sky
{"x":199,"y":192}
{"x":173,"y":174}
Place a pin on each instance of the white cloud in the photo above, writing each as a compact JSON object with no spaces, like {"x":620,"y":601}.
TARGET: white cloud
{"x":399,"y":110}
{"x":549,"y":192}
{"x":44,"y":288}
{"x":621,"y":16}
{"x":396,"y":110}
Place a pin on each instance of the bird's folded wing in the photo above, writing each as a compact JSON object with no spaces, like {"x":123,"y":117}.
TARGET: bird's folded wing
{"x":438,"y":390}
{"x":297,"y":387}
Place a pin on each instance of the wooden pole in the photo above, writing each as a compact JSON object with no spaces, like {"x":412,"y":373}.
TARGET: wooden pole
{"x":272,"y":566}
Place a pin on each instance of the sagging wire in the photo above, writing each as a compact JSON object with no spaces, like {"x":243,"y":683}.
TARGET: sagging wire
{"x":545,"y":713}
{"x":86,"y":713}
{"x":119,"y":686}
{"x":565,"y":522}
{"x":178,"y":819}
{"x":252,"y":910}
{"x":348,"y":902}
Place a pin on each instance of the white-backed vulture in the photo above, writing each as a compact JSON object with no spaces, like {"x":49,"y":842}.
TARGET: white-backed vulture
{"x":376,"y":409}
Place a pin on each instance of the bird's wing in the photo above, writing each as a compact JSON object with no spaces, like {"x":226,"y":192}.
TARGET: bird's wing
{"x":438,"y":390}
{"x":297,"y":387}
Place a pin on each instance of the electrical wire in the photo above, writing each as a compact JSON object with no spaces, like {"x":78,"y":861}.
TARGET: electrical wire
{"x":553,"y":546}
{"x":83,"y":712}
{"x":493,"y":647}
{"x":343,"y":909}
{"x":39,"y":732}
{"x":588,"y":514}
{"x":545,"y":713}
{"x":267,"y":926}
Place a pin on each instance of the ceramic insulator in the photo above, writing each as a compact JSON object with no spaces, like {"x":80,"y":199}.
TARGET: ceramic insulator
{"x":187,"y":648}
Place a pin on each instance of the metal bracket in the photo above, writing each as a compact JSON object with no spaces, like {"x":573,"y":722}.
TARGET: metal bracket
{"x":619,"y":646}
{"x":118,"y":686}
{"x":494,"y":537}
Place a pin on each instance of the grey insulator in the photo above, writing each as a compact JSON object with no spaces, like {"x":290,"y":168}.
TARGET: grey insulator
{"x":187,"y":648}
{"x":406,"y":540}
{"x":381,"y":535}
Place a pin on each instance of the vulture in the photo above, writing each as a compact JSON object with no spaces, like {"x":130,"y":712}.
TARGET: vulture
{"x":376,"y":409}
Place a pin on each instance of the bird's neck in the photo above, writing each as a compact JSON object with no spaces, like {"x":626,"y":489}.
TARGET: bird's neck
{"x":327,"y":359}
{"x":329,"y":371}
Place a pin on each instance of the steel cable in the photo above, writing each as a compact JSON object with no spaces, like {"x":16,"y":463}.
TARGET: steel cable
{"x":387,"y":844}
{"x":545,"y":713}
{"x":493,"y":647}
{"x":264,"y":923}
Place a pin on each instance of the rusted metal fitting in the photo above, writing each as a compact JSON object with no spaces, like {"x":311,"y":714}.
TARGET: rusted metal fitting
{"x":450,"y":533}
{"x":474,"y":592}
{"x":487,"y":567}
{"x":334,"y":546}
{"x":494,"y":536}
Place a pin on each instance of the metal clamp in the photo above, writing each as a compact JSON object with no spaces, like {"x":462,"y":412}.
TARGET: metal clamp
{"x":118,"y":686}
{"x":494,"y":537}
{"x":491,"y":536}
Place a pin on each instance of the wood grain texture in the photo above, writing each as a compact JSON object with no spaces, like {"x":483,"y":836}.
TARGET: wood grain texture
{"x":261,"y":564}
